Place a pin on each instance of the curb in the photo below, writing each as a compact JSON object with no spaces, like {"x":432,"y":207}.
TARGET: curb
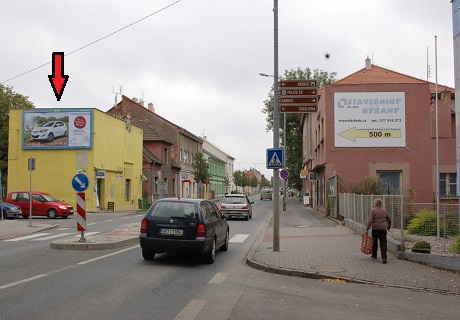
{"x":99,"y":244}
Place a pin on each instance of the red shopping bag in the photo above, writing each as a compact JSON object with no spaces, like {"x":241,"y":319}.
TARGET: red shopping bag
{"x":366,"y":244}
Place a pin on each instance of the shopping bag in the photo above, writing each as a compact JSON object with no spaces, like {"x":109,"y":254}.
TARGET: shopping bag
{"x":366,"y":244}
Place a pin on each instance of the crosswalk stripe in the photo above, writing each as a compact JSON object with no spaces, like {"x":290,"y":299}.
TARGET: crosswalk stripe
{"x":53,"y":236}
{"x":35,"y":235}
{"x":239,"y":237}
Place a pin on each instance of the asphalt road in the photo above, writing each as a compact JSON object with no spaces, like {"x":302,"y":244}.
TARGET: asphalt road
{"x":39,"y":283}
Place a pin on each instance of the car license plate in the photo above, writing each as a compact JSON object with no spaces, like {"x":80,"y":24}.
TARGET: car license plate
{"x":171,"y":232}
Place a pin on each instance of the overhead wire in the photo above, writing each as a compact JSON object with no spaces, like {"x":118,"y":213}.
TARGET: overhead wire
{"x":95,"y":41}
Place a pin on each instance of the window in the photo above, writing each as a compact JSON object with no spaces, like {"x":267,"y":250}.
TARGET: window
{"x":166,"y":156}
{"x":180,"y":155}
{"x":127,"y":190}
{"x":390,"y":181}
{"x":447,"y":184}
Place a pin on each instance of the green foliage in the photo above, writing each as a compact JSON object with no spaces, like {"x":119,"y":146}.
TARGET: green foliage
{"x":424,"y":223}
{"x":8,"y":100}
{"x":367,"y":185}
{"x":455,"y":247}
{"x":201,"y":168}
{"x":241,"y":178}
{"x":422,"y":247}
{"x":291,"y":134}
{"x":254,"y":182}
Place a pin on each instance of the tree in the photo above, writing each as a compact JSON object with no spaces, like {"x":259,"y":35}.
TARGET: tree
{"x":292,"y":134}
{"x":8,"y":100}
{"x":241,"y":179}
{"x":254,"y":182}
{"x":201,"y":168}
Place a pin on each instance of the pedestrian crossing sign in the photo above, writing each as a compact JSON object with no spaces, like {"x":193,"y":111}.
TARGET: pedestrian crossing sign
{"x":275,"y":158}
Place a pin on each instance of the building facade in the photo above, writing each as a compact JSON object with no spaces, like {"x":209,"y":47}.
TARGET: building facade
{"x":65,"y":142}
{"x":185,"y":145}
{"x":380,"y":123}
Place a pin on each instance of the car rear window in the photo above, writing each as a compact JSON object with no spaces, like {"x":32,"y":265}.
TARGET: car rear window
{"x":234,"y":200}
{"x":174,"y":209}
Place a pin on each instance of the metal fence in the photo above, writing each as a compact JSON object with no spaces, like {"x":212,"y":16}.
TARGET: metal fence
{"x":411,"y":222}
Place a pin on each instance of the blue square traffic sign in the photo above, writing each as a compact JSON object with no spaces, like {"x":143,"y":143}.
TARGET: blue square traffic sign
{"x":275,"y":158}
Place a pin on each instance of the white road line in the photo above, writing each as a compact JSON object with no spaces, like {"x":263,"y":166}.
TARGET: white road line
{"x":53,"y":236}
{"x":107,"y":255}
{"x":239,"y":237}
{"x":122,"y":218}
{"x":61,"y":229}
{"x":22,"y":281}
{"x":92,"y":223}
{"x":218,"y":278}
{"x":35,"y":235}
{"x":191,"y":310}
{"x":107,"y":220}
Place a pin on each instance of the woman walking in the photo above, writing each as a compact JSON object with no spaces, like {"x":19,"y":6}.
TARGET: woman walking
{"x":380,"y":222}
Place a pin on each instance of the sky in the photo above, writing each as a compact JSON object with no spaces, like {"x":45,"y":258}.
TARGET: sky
{"x":199,"y":61}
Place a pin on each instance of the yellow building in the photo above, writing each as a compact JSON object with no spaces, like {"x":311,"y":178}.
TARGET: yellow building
{"x":65,"y":142}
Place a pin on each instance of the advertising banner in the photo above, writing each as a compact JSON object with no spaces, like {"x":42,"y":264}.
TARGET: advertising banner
{"x":370,"y":119}
{"x":57,"y":129}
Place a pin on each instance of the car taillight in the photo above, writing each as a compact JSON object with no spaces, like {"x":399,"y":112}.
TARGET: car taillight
{"x":245,"y":207}
{"x":223,"y":207}
{"x":201,"y":231}
{"x":144,"y":226}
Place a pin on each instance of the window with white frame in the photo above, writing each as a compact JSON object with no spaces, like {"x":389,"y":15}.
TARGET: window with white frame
{"x":447,"y":184}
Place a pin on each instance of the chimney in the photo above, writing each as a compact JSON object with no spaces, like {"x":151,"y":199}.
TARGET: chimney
{"x":141,"y":102}
{"x":368,"y":63}
{"x":150,"y":107}
{"x":135,"y":100}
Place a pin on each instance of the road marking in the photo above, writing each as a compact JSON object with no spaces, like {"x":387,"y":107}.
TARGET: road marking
{"x":22,"y":281}
{"x":61,"y":229}
{"x":87,"y":234}
{"x":191,"y":310}
{"x":107,"y":255}
{"x":122,"y":218}
{"x":218,"y":278}
{"x":92,"y":223}
{"x":35,"y":235}
{"x":239,"y":237}
{"x":53,"y":236}
{"x":108,"y":220}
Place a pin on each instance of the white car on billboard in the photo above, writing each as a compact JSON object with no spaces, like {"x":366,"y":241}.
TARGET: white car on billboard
{"x":49,"y":131}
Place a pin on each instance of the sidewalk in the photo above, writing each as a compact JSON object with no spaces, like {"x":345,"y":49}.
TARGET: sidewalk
{"x":329,"y":252}
{"x":334,"y":253}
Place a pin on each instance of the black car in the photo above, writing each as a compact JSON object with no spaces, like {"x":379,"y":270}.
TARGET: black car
{"x":184,"y":226}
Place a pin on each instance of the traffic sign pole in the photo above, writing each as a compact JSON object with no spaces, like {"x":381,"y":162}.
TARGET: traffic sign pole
{"x":81,"y":215}
{"x":276,"y":136}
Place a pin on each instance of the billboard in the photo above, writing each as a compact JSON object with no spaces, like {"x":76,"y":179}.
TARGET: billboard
{"x":57,"y":129}
{"x":370,"y":119}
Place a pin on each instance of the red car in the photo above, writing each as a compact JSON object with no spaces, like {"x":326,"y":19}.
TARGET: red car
{"x":43,"y":204}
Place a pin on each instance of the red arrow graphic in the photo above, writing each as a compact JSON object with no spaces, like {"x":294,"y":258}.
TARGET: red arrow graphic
{"x":58,"y":80}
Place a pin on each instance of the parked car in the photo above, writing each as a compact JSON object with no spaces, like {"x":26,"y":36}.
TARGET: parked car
{"x":10,"y":211}
{"x":265,"y":194}
{"x":43,"y":204}
{"x":236,"y":206}
{"x":184,"y":226}
{"x":49,"y":131}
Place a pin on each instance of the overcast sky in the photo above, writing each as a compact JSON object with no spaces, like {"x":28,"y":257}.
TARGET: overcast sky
{"x":199,"y":61}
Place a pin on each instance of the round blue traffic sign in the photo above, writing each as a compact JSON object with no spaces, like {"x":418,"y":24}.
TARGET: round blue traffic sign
{"x":284,"y":174}
{"x":80,"y":182}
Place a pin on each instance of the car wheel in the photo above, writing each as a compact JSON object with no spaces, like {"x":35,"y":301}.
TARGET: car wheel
{"x":52,"y":213}
{"x":148,"y":254}
{"x":246,"y":218}
{"x":224,"y":247}
{"x":50,"y":137}
{"x":211,"y":255}
{"x":65,"y":133}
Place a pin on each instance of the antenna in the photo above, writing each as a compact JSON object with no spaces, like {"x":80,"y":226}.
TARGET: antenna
{"x":120,"y":92}
{"x":142,"y":95}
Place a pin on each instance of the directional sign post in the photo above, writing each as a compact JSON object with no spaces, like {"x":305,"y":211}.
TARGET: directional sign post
{"x":80,"y":183}
{"x":298,"y":96}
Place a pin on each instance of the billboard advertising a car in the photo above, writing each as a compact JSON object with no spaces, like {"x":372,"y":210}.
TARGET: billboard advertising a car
{"x":57,"y":129}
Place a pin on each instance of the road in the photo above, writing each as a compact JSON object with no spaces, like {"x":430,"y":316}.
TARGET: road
{"x":40,"y":283}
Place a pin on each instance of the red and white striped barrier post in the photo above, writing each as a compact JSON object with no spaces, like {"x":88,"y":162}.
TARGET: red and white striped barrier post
{"x":81,"y":215}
